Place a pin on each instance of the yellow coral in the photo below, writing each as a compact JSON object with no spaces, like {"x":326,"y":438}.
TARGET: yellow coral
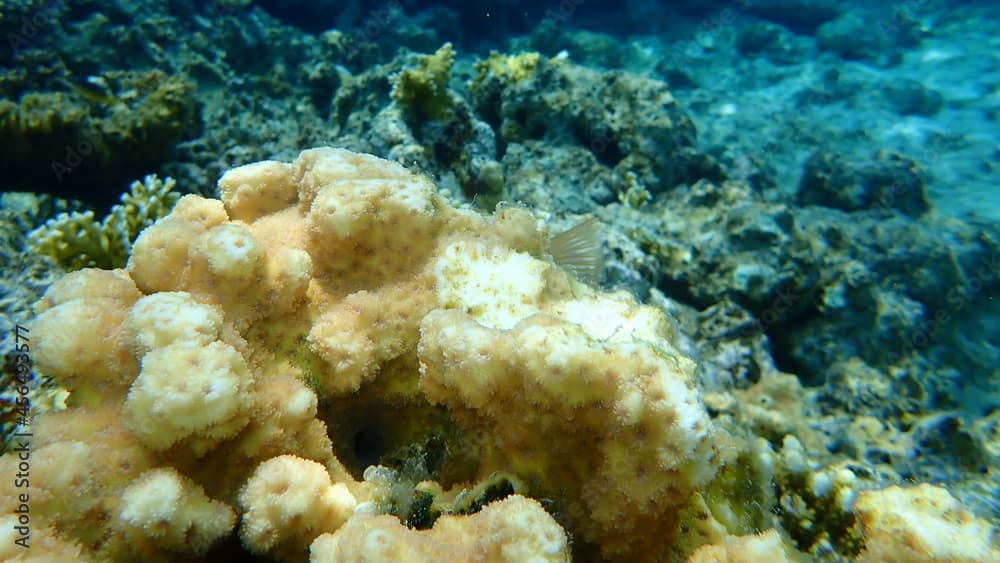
{"x":161,"y":319}
{"x":619,"y":421}
{"x":189,"y":389}
{"x":85,"y":347}
{"x":512,"y":530}
{"x":424,"y":88}
{"x":76,"y":240}
{"x":922,"y":523}
{"x":408,"y":319}
{"x":288,"y":502}
{"x":511,"y":68}
{"x":766,"y":547}
{"x":170,"y":510}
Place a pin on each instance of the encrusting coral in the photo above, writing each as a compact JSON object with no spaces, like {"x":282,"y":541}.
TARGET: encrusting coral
{"x":762,"y":548}
{"x":922,"y":523}
{"x":245,"y":333}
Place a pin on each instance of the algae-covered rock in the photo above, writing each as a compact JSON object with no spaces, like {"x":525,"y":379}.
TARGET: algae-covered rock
{"x":628,"y":122}
{"x":86,"y":139}
{"x":887,"y":181}
{"x":404,"y":111}
{"x":423,"y":88}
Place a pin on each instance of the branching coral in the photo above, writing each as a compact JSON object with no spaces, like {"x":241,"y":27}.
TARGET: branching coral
{"x":76,"y":240}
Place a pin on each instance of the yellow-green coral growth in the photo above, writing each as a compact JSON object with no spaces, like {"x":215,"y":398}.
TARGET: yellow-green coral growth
{"x":76,"y":240}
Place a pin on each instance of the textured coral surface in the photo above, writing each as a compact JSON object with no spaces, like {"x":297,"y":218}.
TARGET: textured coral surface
{"x":258,"y":352}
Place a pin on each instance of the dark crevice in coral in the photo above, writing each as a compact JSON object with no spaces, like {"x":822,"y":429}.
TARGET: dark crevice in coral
{"x":782,"y":338}
{"x":231,"y":550}
{"x":681,"y":291}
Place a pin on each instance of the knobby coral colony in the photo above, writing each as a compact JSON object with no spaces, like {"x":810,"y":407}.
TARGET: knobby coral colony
{"x":75,"y":240}
{"x":333,"y":363}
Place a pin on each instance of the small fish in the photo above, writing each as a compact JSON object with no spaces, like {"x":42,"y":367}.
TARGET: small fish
{"x":94,"y":90}
{"x":580,"y":251}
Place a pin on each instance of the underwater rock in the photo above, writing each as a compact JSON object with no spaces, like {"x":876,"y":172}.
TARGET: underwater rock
{"x":800,"y":16}
{"x":888,"y":181}
{"x":910,"y":97}
{"x":628,"y":122}
{"x":771,"y":41}
{"x":88,"y":142}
